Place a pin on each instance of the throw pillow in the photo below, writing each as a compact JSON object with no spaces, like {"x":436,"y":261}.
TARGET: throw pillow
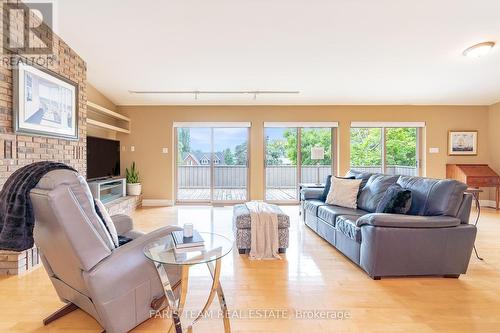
{"x":396,"y":200}
{"x":108,"y":222}
{"x":344,"y":192}
{"x":328,"y":184}
{"x":364,"y":176}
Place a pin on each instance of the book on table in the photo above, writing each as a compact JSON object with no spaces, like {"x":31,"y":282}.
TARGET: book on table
{"x":195,"y":242}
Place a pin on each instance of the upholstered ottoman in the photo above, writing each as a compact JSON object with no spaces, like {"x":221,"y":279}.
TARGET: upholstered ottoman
{"x":242,"y":225}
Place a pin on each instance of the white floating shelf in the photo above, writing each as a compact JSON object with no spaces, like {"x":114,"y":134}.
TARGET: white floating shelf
{"x":118,"y":123}
{"x":107,"y":126}
{"x":107,"y":112}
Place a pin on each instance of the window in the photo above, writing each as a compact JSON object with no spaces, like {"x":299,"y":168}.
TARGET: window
{"x":389,"y":150}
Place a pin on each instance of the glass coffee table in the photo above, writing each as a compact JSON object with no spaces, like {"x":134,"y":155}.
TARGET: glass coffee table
{"x":161,"y":252}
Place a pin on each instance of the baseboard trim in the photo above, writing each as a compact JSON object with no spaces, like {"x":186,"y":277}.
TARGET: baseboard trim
{"x":157,"y":203}
{"x":488,"y":203}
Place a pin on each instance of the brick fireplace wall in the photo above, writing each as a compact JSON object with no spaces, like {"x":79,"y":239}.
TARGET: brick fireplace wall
{"x":19,"y":150}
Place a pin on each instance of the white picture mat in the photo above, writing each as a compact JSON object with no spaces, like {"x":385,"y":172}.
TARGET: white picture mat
{"x":21,"y":116}
{"x":468,"y":138}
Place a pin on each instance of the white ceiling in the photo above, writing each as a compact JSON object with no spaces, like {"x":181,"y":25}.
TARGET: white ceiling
{"x":333,"y":51}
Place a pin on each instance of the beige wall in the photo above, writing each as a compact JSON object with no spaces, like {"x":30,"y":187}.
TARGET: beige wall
{"x":494,"y":140}
{"x":95,"y":96}
{"x":152,"y":130}
{"x":494,"y":136}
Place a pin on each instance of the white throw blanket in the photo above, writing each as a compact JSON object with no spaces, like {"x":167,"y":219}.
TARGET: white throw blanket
{"x":264,"y":231}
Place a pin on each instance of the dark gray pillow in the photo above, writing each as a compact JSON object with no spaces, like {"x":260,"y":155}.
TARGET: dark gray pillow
{"x":328,"y":184}
{"x":364,"y":176}
{"x":396,"y":200}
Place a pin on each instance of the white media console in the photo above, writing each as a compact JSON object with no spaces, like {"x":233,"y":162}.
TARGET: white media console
{"x":108,"y":190}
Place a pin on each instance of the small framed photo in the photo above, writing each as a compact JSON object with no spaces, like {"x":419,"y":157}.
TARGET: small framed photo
{"x":462,"y":143}
{"x":44,"y":103}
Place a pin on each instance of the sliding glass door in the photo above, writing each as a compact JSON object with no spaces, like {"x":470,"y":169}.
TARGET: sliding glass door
{"x":230,"y":164}
{"x":211,"y":164}
{"x":295,"y":155}
{"x":281,"y":164}
{"x":389,"y":150}
{"x":194,"y":163}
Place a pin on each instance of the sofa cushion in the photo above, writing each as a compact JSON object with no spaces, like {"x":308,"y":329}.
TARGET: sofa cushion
{"x":374,"y":190}
{"x":242,"y":219}
{"x":364,"y":176}
{"x":346,"y":224}
{"x":432,"y":197}
{"x":313,"y":205}
{"x":330,"y":213}
{"x":396,"y":200}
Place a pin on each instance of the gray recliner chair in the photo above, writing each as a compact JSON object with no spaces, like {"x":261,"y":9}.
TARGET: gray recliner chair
{"x":115,"y":285}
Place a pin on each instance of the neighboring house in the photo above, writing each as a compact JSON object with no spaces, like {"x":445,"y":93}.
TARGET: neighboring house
{"x":189,"y":159}
{"x":199,"y":158}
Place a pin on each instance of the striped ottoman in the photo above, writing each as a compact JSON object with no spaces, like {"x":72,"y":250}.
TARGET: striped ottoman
{"x":242,"y":225}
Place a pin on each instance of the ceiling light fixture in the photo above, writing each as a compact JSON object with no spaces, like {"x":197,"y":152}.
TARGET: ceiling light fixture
{"x":196,"y":93}
{"x":479,"y":50}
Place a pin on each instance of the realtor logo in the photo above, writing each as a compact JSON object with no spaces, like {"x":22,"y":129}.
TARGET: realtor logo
{"x":34,"y":34}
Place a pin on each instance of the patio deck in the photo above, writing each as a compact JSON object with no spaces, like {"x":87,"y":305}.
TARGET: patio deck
{"x":200,"y":194}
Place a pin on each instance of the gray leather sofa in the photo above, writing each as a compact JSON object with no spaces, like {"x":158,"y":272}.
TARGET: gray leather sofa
{"x":116,"y":286}
{"x":435,"y":238}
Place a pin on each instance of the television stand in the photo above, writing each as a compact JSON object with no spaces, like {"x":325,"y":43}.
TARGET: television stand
{"x":108,"y":190}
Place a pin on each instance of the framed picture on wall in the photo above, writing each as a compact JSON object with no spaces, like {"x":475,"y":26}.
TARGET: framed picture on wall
{"x":44,"y":103}
{"x":462,"y":143}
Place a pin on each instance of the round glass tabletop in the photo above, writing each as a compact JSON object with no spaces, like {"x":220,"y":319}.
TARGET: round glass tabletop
{"x":163,"y":250}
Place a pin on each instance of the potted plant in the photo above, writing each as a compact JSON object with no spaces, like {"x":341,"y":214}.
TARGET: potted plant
{"x":134,"y":186}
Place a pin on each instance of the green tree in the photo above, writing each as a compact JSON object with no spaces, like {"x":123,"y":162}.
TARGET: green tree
{"x":241,"y":153}
{"x":316,"y":137}
{"x":401,"y":146}
{"x":275,"y":151}
{"x":228,"y":157}
{"x":290,"y":136}
{"x":184,"y":138}
{"x":366,"y":147}
{"x":287,"y":148}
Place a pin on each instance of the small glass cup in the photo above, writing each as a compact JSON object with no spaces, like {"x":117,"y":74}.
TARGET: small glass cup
{"x":188,"y":230}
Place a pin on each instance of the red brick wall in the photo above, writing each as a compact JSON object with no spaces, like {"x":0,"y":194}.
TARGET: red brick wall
{"x":19,"y":150}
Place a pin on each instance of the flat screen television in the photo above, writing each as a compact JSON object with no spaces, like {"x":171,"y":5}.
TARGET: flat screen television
{"x":103,"y":158}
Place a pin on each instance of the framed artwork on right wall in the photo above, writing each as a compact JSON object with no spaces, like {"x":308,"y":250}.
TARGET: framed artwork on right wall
{"x":462,"y":143}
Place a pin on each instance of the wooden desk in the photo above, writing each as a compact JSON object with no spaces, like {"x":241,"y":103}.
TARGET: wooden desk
{"x":475,"y":175}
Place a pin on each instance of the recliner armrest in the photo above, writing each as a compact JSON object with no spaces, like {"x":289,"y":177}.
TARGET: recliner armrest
{"x":125,"y":269}
{"x":407,"y":221}
{"x":123,"y":223}
{"x":311,"y":193}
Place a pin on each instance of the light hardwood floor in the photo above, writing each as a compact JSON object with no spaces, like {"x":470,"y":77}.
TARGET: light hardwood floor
{"x":312,"y":276}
